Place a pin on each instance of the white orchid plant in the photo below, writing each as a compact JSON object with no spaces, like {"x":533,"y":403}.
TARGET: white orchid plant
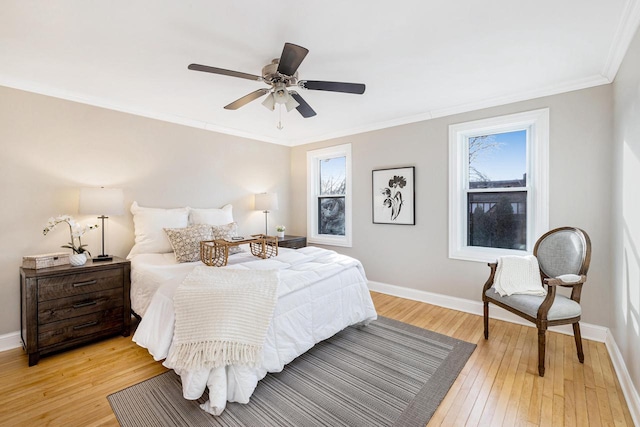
{"x":76,"y":231}
{"x":280,"y":228}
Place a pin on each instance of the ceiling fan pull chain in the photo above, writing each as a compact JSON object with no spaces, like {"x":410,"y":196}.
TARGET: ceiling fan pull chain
{"x":279,"y":117}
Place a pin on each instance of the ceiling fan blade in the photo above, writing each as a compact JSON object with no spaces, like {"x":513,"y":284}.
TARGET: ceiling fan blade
{"x":246,"y":99}
{"x":357,"y":88}
{"x":303,"y":108}
{"x":214,"y":70}
{"x":291,"y":58}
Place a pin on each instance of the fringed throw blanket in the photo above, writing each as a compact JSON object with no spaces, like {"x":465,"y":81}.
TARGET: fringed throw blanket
{"x":518,"y":275}
{"x":222,"y":316}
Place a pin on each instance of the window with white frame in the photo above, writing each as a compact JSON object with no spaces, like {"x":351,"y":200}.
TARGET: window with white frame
{"x":498,"y":184}
{"x":329,"y":196}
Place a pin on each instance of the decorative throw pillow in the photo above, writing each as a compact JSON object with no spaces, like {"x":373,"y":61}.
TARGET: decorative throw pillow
{"x":220,"y":216}
{"x":149,"y":224}
{"x":226,"y":232}
{"x":186,"y":241}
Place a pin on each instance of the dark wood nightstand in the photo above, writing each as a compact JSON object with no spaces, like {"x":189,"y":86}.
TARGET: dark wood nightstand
{"x":292,"y":242}
{"x":66,"y":306}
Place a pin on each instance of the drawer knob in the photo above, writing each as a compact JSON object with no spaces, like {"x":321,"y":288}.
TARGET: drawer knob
{"x":84,"y":304}
{"x":87,"y":283}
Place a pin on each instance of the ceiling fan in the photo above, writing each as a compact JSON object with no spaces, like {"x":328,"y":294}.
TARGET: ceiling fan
{"x":280,"y":75}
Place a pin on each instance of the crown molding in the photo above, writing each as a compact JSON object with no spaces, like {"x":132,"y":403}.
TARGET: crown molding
{"x":627,"y":27}
{"x":28,"y":86}
{"x":570,"y":86}
{"x":432,"y":114}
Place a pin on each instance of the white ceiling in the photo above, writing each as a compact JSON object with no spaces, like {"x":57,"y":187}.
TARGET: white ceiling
{"x":419,"y":58}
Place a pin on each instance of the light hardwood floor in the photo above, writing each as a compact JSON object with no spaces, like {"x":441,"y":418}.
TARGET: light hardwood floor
{"x":498,"y":386}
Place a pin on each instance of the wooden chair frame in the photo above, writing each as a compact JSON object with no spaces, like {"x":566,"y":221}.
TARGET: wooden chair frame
{"x":540,"y":320}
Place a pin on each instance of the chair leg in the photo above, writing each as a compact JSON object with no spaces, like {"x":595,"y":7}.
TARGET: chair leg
{"x":541,"y":350}
{"x":578,"y":338}
{"x":486,"y":320}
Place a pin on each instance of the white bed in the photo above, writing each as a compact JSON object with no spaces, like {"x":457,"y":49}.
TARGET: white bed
{"x":320,"y":293}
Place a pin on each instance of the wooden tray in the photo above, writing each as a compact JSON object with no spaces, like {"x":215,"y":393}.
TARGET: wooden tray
{"x":215,"y":253}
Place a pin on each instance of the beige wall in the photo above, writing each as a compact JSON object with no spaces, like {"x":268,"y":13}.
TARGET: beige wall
{"x":625,"y":287}
{"x":417,"y":256}
{"x":49,"y":148}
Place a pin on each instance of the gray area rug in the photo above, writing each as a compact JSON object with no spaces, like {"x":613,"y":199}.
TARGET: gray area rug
{"x":388,"y":373}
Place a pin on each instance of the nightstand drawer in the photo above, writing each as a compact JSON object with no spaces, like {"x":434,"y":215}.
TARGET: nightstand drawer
{"x":79,"y":305}
{"x":292,"y":242}
{"x":76,"y":284}
{"x":78,"y":327}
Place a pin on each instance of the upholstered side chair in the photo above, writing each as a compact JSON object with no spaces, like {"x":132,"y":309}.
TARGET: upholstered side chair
{"x":563,"y":256}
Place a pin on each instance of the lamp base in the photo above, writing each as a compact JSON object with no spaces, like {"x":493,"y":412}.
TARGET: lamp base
{"x":100,"y":258}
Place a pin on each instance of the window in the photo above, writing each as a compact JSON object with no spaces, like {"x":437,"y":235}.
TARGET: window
{"x":498,"y":183}
{"x":329,"y":193}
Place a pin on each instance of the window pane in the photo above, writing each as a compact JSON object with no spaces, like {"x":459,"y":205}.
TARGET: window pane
{"x":498,"y":160}
{"x":333,"y":173}
{"x":497,"y":220}
{"x":331,"y":216}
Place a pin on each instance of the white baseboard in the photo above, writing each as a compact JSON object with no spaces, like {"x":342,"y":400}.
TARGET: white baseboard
{"x":10,"y":341}
{"x":629,"y":390}
{"x":589,"y":331}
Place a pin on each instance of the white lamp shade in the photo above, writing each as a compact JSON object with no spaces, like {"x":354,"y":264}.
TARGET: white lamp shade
{"x":269,"y":102}
{"x":291,"y":103}
{"x":101,"y":201}
{"x":266,"y":202}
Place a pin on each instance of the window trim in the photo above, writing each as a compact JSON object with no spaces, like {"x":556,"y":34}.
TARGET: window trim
{"x":536,"y":123}
{"x":313,"y":175}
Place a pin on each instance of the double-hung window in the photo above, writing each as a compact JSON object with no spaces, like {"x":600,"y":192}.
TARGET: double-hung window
{"x":329,"y":196}
{"x":498,"y":183}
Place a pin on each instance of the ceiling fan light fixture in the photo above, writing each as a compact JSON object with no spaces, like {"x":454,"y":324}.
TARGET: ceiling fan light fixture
{"x":280,"y":93}
{"x":269,"y":102}
{"x":281,"y":96}
{"x":291,"y":103}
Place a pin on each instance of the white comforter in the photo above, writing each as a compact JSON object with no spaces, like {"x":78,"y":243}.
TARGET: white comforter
{"x":320,"y":293}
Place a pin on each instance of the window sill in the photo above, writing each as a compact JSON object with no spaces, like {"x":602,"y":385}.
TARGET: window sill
{"x":329,"y":241}
{"x":487,"y":255}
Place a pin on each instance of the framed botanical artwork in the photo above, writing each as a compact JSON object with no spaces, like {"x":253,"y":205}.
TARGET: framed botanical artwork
{"x":394,"y":196}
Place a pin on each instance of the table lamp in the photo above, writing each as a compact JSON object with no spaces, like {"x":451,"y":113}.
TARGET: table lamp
{"x":101,"y":201}
{"x":266,"y":202}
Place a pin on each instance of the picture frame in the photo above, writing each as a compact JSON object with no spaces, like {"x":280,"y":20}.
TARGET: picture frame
{"x":393,"y":196}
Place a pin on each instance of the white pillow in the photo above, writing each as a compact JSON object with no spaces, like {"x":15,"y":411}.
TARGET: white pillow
{"x":221,"y":216}
{"x":149,"y":225}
